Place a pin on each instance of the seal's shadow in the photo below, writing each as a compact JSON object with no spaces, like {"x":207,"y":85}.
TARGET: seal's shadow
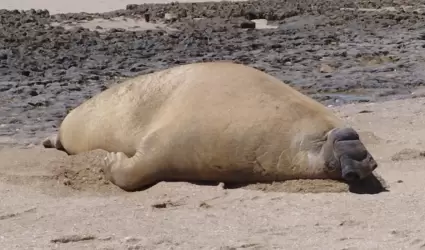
{"x":370,"y":185}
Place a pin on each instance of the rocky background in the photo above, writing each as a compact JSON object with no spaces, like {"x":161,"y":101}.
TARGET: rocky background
{"x":335,"y":51}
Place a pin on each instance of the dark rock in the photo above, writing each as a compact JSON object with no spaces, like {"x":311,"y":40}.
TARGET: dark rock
{"x":55,"y":69}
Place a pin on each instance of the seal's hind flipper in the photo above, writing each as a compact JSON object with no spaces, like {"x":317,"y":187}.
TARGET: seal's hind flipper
{"x":53,"y":142}
{"x":50,"y":142}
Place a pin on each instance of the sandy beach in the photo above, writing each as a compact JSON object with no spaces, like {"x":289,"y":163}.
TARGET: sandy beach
{"x":348,"y":60}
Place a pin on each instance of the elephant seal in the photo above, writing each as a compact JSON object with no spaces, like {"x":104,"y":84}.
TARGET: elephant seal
{"x":212,"y":121}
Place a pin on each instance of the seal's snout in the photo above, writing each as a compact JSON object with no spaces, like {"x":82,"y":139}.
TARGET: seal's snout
{"x":357,"y":163}
{"x":354,"y":159}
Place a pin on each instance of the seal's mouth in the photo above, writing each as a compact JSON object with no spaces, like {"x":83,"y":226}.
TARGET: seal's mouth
{"x":354,"y":170}
{"x":350,"y":175}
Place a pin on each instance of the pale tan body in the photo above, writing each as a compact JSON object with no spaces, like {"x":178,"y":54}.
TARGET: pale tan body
{"x":202,"y":122}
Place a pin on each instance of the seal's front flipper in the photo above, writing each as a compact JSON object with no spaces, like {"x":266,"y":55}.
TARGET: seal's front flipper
{"x":129,"y":174}
{"x":145,"y":168}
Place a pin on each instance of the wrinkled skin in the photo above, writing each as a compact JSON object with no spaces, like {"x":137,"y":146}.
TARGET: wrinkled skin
{"x":345,"y":152}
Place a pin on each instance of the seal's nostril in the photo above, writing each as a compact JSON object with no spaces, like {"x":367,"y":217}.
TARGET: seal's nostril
{"x":374,"y":166}
{"x":351,"y":176}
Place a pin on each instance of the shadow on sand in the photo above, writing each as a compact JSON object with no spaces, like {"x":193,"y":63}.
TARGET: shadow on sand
{"x":373,"y":184}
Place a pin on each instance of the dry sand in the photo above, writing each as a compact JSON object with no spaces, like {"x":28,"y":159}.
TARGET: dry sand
{"x":52,"y":201}
{"x":48,"y":199}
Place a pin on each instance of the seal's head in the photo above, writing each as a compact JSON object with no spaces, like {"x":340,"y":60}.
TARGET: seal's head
{"x":344,"y":151}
